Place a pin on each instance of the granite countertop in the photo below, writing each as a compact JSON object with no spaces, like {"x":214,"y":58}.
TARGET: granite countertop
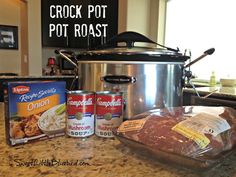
{"x":90,"y":157}
{"x":226,"y":92}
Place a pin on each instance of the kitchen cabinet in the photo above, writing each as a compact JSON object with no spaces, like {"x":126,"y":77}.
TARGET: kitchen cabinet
{"x":195,"y":100}
{"x":78,"y":32}
{"x":222,"y":97}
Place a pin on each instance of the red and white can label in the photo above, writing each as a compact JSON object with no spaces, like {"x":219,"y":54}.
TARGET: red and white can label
{"x":80,"y":114}
{"x":109,"y":113}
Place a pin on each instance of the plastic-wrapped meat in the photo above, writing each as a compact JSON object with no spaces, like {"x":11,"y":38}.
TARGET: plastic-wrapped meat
{"x":195,"y":132}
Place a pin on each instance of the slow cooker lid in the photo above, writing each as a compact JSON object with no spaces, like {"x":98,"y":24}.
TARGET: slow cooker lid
{"x":132,"y":51}
{"x":134,"y":54}
{"x":112,"y":50}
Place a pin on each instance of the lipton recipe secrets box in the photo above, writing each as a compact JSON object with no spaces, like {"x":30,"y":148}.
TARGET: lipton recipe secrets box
{"x":34,"y":110}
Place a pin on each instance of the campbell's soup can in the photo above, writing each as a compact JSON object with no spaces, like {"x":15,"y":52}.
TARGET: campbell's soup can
{"x":80,"y":113}
{"x":109,"y":112}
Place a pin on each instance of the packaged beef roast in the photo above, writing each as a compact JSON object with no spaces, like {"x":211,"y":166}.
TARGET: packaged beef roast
{"x":192,"y":136}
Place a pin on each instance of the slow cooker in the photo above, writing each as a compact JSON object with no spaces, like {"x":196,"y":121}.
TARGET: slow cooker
{"x":149,"y":77}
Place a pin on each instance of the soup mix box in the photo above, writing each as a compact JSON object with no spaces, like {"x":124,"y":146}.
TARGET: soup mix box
{"x":34,"y":110}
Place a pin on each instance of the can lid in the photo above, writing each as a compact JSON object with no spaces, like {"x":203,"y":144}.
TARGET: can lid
{"x":108,"y":93}
{"x":80,"y":92}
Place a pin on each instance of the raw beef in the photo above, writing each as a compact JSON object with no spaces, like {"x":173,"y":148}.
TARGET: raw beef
{"x":157,"y":132}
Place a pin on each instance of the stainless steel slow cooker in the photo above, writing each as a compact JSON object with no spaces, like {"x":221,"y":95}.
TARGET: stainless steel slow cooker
{"x":148,"y":77}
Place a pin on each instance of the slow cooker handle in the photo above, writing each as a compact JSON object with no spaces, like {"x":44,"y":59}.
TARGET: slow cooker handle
{"x":207,"y":52}
{"x":130,"y":37}
{"x":61,"y":52}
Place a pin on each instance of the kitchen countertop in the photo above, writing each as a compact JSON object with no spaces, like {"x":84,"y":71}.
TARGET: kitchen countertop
{"x":225,"y":92}
{"x":91,"y":157}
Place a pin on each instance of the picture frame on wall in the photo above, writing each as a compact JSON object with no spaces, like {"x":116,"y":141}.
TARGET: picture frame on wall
{"x":8,"y":37}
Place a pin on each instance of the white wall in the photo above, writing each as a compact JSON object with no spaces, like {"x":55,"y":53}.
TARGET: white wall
{"x":35,"y":44}
{"x":10,"y":60}
{"x":140,"y":16}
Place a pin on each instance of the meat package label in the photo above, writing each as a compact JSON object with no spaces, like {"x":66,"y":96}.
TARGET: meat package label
{"x":199,"y":138}
{"x":197,"y":126}
{"x":132,"y":125}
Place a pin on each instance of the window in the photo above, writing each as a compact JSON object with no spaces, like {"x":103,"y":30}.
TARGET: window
{"x":198,"y":25}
